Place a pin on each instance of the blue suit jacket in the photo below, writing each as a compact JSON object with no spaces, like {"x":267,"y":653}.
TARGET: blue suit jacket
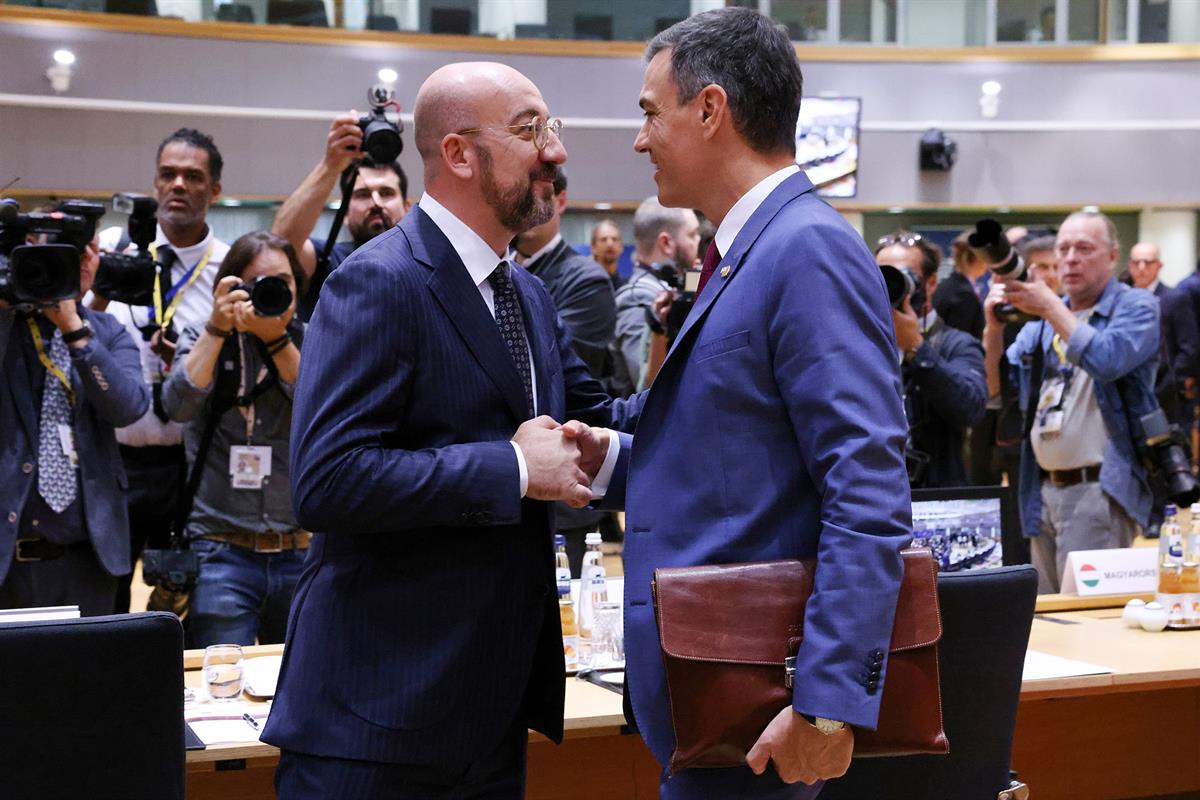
{"x":426,"y":619}
{"x":775,"y":430}
{"x":107,"y":378}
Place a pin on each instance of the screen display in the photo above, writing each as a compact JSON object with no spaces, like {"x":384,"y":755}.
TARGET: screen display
{"x":827,"y":143}
{"x":963,"y":534}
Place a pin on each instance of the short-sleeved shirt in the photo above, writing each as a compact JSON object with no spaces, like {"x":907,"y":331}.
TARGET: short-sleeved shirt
{"x":340,"y":252}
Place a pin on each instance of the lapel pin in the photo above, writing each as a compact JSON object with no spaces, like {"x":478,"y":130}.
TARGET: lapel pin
{"x":725,"y":272}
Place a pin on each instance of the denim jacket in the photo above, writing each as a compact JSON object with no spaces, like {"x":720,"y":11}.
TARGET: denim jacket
{"x":1119,"y":339}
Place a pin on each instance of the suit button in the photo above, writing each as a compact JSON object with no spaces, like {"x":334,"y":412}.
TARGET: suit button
{"x":27,"y":468}
{"x":877,"y":653}
{"x":12,"y":516}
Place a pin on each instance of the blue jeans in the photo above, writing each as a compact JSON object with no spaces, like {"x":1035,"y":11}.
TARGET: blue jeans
{"x":241,"y":595}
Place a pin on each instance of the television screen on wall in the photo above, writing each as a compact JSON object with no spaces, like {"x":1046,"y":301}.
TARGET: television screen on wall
{"x":827,"y":143}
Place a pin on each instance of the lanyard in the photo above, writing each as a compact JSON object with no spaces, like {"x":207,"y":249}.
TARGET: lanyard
{"x":175,"y":293}
{"x":47,"y":363}
{"x":1057,"y":344}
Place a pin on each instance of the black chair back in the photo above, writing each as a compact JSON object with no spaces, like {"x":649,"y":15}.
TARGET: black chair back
{"x":235,"y":12}
{"x":986,"y":617}
{"x":92,"y":707}
{"x":304,"y":13}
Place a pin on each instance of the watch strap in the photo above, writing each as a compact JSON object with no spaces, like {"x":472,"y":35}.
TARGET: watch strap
{"x":78,"y":334}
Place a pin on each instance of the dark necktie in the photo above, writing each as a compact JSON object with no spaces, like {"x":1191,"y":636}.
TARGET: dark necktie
{"x":712,"y":257}
{"x":512,"y":327}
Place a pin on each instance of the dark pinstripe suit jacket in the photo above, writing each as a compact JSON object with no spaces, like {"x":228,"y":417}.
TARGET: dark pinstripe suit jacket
{"x":426,"y":620}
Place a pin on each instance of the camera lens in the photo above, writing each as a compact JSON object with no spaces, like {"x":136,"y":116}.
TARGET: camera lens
{"x":270,"y":295}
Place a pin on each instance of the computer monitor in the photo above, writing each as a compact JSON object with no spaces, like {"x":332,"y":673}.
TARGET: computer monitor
{"x":827,"y":136}
{"x":969,"y":527}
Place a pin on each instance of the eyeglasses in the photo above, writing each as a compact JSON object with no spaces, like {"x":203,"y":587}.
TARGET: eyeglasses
{"x":540,"y":129}
{"x":1143,"y":262}
{"x":902,"y":239}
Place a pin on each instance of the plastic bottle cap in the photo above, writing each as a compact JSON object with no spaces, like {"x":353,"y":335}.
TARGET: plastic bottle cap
{"x":1196,"y":508}
{"x":592,"y":538}
{"x":560,"y":540}
{"x":1171,"y":510}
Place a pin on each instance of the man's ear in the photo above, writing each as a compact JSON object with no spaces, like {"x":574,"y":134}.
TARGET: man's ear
{"x":216,"y":192}
{"x":560,"y":203}
{"x":713,"y":105}
{"x":457,"y":156}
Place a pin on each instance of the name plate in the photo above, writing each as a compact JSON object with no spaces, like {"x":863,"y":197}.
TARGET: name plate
{"x":1125,"y":570}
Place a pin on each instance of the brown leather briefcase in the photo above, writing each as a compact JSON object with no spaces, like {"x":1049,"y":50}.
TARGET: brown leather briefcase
{"x":726,"y":631}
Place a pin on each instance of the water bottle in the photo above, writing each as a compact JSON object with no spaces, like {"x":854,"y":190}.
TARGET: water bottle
{"x":593,"y":589}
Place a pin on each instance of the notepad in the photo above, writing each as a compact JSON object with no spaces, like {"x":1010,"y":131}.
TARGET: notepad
{"x":1040,"y":666}
{"x":225,"y":725}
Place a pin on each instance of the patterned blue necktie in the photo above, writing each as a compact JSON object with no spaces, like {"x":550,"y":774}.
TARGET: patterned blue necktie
{"x":512,"y":327}
{"x":56,"y":474}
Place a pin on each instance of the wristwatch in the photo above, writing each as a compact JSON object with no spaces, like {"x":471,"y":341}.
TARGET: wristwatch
{"x":77,"y":334}
{"x":828,"y":726}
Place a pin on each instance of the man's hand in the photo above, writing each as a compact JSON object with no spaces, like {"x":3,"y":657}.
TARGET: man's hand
{"x":1034,"y":298}
{"x":163,"y":347}
{"x":800,"y":751}
{"x":593,"y":445}
{"x":552,"y":462}
{"x":65,"y":315}
{"x":908,"y":327}
{"x":344,"y":142}
{"x":995,"y":297}
{"x":662,"y":305}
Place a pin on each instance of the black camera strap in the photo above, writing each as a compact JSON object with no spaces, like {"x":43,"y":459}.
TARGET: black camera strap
{"x":224,"y":393}
{"x":349,"y":176}
{"x":1038,"y":369}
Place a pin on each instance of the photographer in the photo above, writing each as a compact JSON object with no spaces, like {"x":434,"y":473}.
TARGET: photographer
{"x":378,"y":201}
{"x":666,"y":242}
{"x":187,"y":180}
{"x":1086,"y":374}
{"x":945,"y":391}
{"x":233,"y":385}
{"x":71,"y":376}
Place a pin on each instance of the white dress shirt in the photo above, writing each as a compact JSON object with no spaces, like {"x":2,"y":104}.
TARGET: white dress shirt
{"x":481,"y":261}
{"x":195,"y":307}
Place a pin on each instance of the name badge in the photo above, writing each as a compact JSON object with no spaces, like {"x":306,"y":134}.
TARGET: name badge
{"x":248,"y":466}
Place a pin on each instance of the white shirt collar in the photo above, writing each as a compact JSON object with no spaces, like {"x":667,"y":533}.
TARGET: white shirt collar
{"x":187,"y":255}
{"x":745,"y":207}
{"x":553,"y":243}
{"x":1153,"y":287}
{"x":478,"y":258}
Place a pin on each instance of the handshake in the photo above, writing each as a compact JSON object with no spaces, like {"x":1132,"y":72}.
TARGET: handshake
{"x":561,"y":460}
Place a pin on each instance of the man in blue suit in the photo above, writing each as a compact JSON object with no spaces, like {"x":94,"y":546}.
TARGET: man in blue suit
{"x":775,"y":428}
{"x":70,"y":375}
{"x":424,"y":638}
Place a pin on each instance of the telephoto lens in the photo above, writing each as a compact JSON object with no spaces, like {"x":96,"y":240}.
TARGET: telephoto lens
{"x":270,"y":295}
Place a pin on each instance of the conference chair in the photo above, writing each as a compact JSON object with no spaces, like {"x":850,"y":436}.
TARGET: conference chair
{"x":986,"y":617}
{"x":235,"y":12}
{"x":92,"y":707}
{"x":382,"y":22}
{"x":304,"y":13}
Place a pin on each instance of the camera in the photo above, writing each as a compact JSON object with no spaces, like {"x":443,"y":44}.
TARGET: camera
{"x":33,"y":275}
{"x":901,"y":283}
{"x":270,"y":295}
{"x":381,"y":137}
{"x":174,"y":569}
{"x":129,"y":278}
{"x":685,"y":297}
{"x":989,"y":243}
{"x":1163,"y":452}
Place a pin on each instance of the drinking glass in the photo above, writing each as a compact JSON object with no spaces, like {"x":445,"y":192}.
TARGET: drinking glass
{"x":223,"y":676}
{"x":609,"y":633}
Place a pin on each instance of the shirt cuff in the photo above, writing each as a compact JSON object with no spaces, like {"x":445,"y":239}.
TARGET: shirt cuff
{"x":521,"y":468}
{"x":605,"y":473}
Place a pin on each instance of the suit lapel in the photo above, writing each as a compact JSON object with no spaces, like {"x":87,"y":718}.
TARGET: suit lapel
{"x":22,"y":401}
{"x":783,"y":194}
{"x":459,"y":297}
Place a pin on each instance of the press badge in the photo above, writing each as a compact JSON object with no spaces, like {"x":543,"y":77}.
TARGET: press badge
{"x":1050,"y":411}
{"x":66,"y":438}
{"x":248,"y":466}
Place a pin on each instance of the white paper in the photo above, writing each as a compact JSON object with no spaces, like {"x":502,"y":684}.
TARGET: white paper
{"x":1040,"y":666}
{"x":261,"y":674}
{"x":223,"y":723}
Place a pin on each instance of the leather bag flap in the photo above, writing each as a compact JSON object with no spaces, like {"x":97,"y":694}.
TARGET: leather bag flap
{"x":749,"y":613}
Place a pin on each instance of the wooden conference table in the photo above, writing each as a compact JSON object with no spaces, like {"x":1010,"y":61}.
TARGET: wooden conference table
{"x":1134,"y":733}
